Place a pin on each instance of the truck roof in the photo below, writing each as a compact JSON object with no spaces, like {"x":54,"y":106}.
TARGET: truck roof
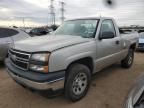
{"x":101,"y":18}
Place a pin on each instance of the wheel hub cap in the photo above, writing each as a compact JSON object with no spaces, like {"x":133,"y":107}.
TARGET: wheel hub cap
{"x":79,"y":83}
{"x":130,"y":60}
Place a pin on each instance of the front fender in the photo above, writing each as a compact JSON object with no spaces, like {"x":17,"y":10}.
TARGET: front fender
{"x":61,"y":59}
{"x":57,"y":63}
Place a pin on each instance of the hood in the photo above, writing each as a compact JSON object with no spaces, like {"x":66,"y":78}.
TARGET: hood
{"x":48,"y":43}
{"x":20,"y":36}
{"x":141,"y":40}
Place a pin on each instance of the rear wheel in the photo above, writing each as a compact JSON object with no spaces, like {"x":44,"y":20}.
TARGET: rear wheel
{"x":77,"y":82}
{"x":128,"y":61}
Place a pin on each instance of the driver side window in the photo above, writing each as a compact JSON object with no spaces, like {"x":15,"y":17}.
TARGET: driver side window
{"x":107,"y":26}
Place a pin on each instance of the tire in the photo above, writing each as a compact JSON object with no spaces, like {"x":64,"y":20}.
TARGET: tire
{"x":128,"y":61}
{"x":77,"y":82}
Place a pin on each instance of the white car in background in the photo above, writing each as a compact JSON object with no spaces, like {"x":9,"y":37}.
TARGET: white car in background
{"x":7,"y":37}
{"x":141,"y":42}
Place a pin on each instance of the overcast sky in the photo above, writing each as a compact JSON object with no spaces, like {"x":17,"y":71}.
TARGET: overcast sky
{"x":35,"y":12}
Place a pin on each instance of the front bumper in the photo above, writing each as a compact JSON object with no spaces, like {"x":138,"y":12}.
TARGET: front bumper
{"x":36,"y":81}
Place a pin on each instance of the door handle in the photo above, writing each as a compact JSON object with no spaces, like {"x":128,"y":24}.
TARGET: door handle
{"x":117,"y":42}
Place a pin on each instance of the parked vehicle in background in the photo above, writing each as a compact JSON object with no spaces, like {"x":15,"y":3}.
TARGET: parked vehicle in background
{"x":27,"y":30}
{"x":71,"y":55}
{"x":39,"y":31}
{"x":7,"y":37}
{"x":141,"y":42}
{"x":53,"y":27}
{"x":135,"y":97}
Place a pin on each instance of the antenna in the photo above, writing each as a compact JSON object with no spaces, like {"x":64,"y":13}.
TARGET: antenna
{"x":62,"y":11}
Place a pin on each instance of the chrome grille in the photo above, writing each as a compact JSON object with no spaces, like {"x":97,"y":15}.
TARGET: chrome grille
{"x":19,"y":59}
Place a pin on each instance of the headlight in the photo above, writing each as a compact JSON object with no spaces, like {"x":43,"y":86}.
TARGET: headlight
{"x":40,"y":57}
{"x":39,"y":62}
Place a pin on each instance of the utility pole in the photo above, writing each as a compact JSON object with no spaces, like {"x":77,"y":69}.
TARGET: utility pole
{"x":24,"y":22}
{"x":52,"y":13}
{"x":62,"y":11}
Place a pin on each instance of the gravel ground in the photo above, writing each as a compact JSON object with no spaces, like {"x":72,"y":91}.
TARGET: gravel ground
{"x":109,"y":89}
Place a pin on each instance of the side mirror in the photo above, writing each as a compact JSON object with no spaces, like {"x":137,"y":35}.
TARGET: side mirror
{"x":107,"y":35}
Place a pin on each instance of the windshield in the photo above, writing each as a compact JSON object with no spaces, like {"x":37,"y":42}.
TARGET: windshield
{"x":141,"y":35}
{"x":84,"y":28}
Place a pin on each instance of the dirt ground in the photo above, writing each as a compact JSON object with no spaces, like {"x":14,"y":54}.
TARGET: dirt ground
{"x":109,"y":89}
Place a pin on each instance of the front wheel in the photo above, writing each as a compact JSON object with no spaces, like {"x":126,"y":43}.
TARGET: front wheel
{"x":77,"y":82}
{"x":128,"y":61}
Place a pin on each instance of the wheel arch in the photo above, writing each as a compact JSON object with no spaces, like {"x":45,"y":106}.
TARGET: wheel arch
{"x":133,"y":46}
{"x":87,"y":61}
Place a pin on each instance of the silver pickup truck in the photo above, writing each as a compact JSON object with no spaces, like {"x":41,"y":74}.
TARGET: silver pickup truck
{"x":70,"y":56}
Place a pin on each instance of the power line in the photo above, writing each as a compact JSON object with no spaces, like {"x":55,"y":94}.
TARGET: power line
{"x":52,"y":12}
{"x":62,"y":11}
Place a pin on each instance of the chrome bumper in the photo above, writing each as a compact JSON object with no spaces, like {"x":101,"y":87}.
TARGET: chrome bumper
{"x":54,"y":85}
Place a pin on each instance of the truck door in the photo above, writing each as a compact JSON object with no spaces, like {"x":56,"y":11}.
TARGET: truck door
{"x":108,"y":49}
